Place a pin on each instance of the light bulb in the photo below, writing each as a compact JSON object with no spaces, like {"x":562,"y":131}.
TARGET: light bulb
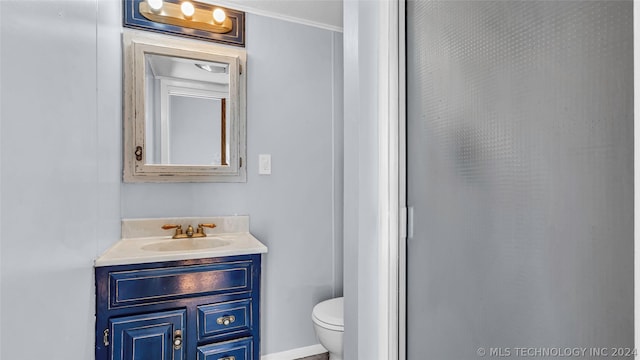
{"x":219,"y":15}
{"x":155,"y":5}
{"x":187,"y":9}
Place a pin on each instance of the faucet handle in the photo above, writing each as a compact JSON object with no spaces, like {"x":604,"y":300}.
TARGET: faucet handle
{"x":201,"y":229}
{"x":172,"y":226}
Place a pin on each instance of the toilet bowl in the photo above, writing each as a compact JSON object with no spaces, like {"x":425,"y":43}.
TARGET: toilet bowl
{"x":328,"y":321}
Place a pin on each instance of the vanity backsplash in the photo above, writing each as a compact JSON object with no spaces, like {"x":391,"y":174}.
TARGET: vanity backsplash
{"x":136,"y":228}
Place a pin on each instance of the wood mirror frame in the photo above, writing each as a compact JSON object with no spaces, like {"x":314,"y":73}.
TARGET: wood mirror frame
{"x":136,"y":168}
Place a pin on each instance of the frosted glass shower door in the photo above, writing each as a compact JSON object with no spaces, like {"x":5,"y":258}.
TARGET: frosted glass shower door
{"x":520,"y":175}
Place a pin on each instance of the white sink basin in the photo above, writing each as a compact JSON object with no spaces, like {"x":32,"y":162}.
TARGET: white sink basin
{"x":186,"y":244}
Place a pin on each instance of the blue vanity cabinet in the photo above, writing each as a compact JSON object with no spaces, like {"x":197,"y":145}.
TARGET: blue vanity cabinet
{"x":204,"y":309}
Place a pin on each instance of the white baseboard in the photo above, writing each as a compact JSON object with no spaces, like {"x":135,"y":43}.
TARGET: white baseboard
{"x":296,"y":353}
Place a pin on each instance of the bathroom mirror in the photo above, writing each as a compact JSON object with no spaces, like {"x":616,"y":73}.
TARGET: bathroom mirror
{"x":184,"y":110}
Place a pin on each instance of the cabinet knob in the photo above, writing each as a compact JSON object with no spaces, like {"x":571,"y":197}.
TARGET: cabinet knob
{"x":177,"y":339}
{"x":225,"y":320}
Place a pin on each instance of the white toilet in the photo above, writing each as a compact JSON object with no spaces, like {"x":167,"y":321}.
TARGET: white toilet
{"x":328,"y":321}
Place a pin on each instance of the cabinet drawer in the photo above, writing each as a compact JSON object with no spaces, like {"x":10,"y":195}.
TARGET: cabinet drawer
{"x":128,"y":288}
{"x":241,"y":349}
{"x":224,"y":319}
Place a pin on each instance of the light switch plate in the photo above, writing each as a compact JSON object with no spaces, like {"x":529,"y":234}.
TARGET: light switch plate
{"x":264,"y":163}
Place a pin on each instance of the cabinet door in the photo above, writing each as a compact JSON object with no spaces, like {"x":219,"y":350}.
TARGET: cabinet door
{"x":148,"y":336}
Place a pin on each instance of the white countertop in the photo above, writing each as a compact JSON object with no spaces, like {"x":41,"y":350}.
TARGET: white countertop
{"x":131,"y":249}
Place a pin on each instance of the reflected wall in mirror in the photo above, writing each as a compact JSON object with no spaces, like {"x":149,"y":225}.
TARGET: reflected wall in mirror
{"x":184,"y":110}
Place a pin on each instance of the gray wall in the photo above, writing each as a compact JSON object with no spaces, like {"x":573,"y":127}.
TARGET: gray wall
{"x":61,"y":196}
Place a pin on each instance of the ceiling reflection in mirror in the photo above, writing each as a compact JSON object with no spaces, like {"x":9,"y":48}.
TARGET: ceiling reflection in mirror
{"x":186,"y":111}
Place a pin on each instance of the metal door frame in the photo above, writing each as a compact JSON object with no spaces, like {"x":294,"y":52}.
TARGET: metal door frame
{"x":636,"y":160}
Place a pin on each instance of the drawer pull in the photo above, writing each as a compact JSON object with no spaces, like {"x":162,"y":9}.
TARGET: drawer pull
{"x":228,"y":358}
{"x":226,"y":320}
{"x":177,"y":339}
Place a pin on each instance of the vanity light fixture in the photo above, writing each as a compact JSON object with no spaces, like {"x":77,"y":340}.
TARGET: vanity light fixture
{"x":186,"y":18}
{"x":185,"y":14}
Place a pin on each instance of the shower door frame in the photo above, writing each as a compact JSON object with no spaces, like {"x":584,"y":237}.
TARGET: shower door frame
{"x":406,"y":215}
{"x":636,"y":170}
